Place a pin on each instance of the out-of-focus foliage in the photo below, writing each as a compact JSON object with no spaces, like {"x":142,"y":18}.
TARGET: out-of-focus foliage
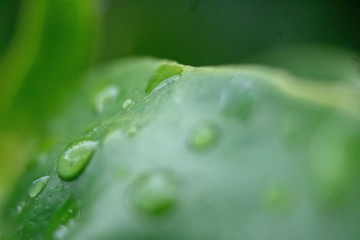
{"x":45,"y":50}
{"x":204,"y":32}
{"x":50,"y":48}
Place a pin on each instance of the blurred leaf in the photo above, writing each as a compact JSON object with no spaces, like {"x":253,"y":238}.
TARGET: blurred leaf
{"x":47,"y":57}
{"x":243,"y":151}
{"x":50,"y":50}
{"x":8,"y":12}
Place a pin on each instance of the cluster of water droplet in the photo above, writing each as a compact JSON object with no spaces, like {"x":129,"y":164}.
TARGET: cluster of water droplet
{"x":152,"y":192}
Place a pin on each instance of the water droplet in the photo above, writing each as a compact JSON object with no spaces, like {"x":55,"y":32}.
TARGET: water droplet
{"x":277,"y":198}
{"x":37,"y":186}
{"x":132,"y":131}
{"x":20,"y":207}
{"x":154,"y":192}
{"x":203,"y":136}
{"x":238,"y":102}
{"x":98,"y":131}
{"x":105,"y":97}
{"x":127,"y":103}
{"x":75,"y":158}
{"x":165,"y":75}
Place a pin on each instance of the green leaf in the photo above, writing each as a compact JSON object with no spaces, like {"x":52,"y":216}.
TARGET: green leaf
{"x":231,"y":152}
{"x":48,"y":54}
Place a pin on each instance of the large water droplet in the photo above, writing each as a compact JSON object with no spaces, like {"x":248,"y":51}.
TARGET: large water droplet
{"x":37,"y":186}
{"x":126,"y":104}
{"x":203,"y":136}
{"x":165,"y":75}
{"x":154,"y":192}
{"x":105,"y":97}
{"x":75,"y":158}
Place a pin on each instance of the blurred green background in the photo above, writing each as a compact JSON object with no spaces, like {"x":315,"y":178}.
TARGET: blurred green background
{"x":47,"y":47}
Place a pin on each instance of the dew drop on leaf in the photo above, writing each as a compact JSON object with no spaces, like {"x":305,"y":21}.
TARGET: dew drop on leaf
{"x":105,"y":97}
{"x":75,"y":159}
{"x":203,"y":136}
{"x":164,"y":76}
{"x":154,"y":192}
{"x":132,"y":130}
{"x":126,"y":104}
{"x":20,"y":207}
{"x":37,"y":186}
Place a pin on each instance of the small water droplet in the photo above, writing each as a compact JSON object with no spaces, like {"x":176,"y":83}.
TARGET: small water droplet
{"x":127,"y":103}
{"x":75,"y":159}
{"x":37,"y":186}
{"x":105,"y":97}
{"x":132,"y":130}
{"x":20,"y":207}
{"x":164,"y":76}
{"x":98,"y":131}
{"x":203,"y":136}
{"x":154,"y":192}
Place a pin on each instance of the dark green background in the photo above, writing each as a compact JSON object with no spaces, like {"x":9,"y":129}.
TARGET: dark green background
{"x":203,"y":32}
